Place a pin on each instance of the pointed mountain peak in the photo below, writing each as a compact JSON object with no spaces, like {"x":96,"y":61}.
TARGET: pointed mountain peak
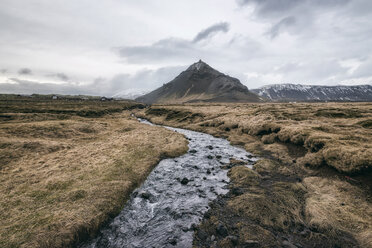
{"x":198,"y":65}
{"x":200,"y":83}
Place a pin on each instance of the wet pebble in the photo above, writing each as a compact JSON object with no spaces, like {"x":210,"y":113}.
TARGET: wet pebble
{"x":185,"y":181}
{"x":145,"y":195}
{"x":173,"y":241}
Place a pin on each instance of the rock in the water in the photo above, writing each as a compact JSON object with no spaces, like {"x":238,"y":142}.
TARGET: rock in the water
{"x":193,"y":151}
{"x":172,"y":241}
{"x":202,"y":235}
{"x":185,"y":181}
{"x":237,"y":191}
{"x":145,"y":195}
{"x":210,"y":157}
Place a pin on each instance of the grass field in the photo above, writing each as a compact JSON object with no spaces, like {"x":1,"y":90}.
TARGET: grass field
{"x":315,"y":176}
{"x":67,"y":166}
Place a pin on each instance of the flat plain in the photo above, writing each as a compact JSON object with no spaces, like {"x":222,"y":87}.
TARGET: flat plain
{"x":68,"y":166}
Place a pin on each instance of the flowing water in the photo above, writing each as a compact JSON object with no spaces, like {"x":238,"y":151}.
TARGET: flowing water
{"x":164,"y":210}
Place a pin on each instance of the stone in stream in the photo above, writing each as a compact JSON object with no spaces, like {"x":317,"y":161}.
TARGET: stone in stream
{"x":185,"y":181}
{"x":236,"y":191}
{"x":145,"y":195}
{"x":208,"y":171}
{"x":202,"y":234}
{"x":173,"y":241}
{"x":209,"y":157}
{"x":193,"y":151}
{"x":210,"y":147}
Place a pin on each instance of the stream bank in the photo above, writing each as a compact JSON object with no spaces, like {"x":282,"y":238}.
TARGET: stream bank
{"x":167,"y":208}
{"x":281,"y":202}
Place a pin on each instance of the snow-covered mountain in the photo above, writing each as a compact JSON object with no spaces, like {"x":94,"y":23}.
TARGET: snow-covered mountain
{"x":298,"y":92}
{"x":130,"y":93}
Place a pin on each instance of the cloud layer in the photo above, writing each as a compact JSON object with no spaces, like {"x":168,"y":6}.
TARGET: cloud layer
{"x":106,"y":47}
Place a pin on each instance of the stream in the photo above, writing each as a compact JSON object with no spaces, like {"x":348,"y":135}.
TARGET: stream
{"x":166,"y":208}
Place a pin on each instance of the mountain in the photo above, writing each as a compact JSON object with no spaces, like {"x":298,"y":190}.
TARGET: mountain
{"x":130,"y":94}
{"x":298,"y":92}
{"x":200,"y":83}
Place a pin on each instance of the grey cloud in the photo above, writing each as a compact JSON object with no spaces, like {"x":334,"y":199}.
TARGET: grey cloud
{"x":60,"y":76}
{"x":300,"y":15}
{"x":272,"y":6}
{"x":24,"y":71}
{"x":163,"y":49}
{"x":212,"y":30}
{"x":3,"y":71}
{"x":172,"y":49}
{"x":144,"y":79}
{"x":364,"y":70}
{"x":20,"y":86}
{"x":283,"y":7}
{"x":282,"y":24}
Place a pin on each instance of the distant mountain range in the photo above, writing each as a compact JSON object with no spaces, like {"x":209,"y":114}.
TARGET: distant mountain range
{"x":298,"y":92}
{"x":200,"y":83}
{"x":130,"y":94}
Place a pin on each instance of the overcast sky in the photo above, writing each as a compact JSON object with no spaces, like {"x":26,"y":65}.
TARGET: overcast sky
{"x":107,"y":47}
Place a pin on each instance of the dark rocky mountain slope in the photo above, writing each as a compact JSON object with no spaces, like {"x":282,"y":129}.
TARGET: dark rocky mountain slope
{"x":200,"y":83}
{"x":298,"y":92}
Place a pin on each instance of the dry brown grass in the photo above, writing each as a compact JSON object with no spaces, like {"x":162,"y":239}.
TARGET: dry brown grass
{"x":62,"y":179}
{"x":336,"y":203}
{"x":336,"y":134}
{"x":302,"y":184}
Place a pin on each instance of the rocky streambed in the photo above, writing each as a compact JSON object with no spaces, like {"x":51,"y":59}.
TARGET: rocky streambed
{"x":165,"y":210}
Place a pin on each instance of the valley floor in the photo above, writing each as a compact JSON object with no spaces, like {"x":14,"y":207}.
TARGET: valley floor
{"x":312,"y":187}
{"x":66,"y":167}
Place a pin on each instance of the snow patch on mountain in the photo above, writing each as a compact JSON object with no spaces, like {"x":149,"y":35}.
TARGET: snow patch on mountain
{"x":299,"y":92}
{"x":130,"y":93}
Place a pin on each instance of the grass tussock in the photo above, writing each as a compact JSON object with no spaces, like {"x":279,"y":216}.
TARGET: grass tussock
{"x":61,"y":179}
{"x":337,"y":133}
{"x":300,"y":191}
{"x":338,"y":204}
